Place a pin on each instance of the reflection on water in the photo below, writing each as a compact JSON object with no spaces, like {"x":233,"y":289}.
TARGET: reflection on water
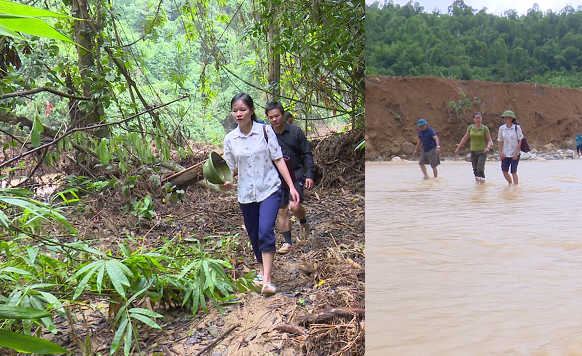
{"x":455,"y":268}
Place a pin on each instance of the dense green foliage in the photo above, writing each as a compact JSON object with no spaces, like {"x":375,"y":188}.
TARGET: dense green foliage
{"x":210,"y":50}
{"x":466,"y":43}
{"x":40,"y":275}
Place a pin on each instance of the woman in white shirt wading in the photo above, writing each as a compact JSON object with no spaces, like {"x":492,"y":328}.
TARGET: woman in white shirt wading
{"x":509,"y":141}
{"x":251,"y":157}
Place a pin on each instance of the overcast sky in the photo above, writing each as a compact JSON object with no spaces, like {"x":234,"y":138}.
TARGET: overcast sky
{"x":493,"y":6}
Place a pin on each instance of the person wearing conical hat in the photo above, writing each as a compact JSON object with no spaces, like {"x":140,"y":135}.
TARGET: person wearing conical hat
{"x":431,"y":148}
{"x":509,"y":141}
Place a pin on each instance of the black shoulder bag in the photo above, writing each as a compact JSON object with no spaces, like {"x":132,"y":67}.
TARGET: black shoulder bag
{"x":524,"y":144}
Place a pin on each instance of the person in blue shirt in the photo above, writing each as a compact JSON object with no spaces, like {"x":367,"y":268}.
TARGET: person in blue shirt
{"x":431,"y":148}
{"x":579,"y":144}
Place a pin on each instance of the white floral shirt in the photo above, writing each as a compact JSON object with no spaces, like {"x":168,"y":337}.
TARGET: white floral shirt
{"x":258,"y":177}
{"x":510,"y":138}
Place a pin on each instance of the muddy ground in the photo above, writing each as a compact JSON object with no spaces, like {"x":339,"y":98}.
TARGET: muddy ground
{"x":394,"y":105}
{"x":319,"y":307}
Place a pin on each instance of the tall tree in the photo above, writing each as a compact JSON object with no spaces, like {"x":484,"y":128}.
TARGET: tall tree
{"x":85,"y":38}
{"x":274,"y":57}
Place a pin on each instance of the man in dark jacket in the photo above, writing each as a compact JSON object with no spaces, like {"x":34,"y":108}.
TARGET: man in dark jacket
{"x":295,"y":145}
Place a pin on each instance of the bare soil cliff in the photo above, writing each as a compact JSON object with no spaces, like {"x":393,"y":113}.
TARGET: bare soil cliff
{"x":394,"y":105}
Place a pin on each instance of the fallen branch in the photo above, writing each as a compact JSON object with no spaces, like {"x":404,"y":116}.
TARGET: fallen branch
{"x":329,"y":313}
{"x":194,"y":172}
{"x":218,"y":338}
{"x":291,"y":329}
{"x":41,"y":89}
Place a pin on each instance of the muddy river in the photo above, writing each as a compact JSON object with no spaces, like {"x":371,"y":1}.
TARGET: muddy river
{"x":455,"y":268}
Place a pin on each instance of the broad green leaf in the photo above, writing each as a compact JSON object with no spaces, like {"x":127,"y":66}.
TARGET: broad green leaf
{"x":15,"y":312}
{"x":16,"y":191}
{"x":117,"y":276}
{"x":187,"y":269}
{"x":181,"y":152}
{"x":24,"y":204}
{"x":125,"y":249}
{"x":187,"y":295}
{"x":41,"y":286}
{"x":15,"y":270}
{"x":14,"y":298}
{"x":157,"y":264}
{"x":4,"y":220}
{"x":223,"y":287}
{"x":195,"y":300}
{"x":29,"y":344}
{"x":14,"y":8}
{"x":118,"y":335}
{"x":209,"y":276}
{"x":84,"y":281}
{"x":203,"y":302}
{"x":47,"y":321}
{"x":147,"y":312}
{"x":34,"y":27}
{"x":84,"y":269}
{"x":32,"y":253}
{"x":103,"y":151}
{"x":128,"y":303}
{"x":122,"y":267}
{"x":144,"y":319}
{"x":128,"y":339}
{"x":84,"y":247}
{"x":53,"y":303}
{"x":5,"y":31}
{"x":6,"y":278}
{"x":37,"y":128}
{"x":100,"y":278}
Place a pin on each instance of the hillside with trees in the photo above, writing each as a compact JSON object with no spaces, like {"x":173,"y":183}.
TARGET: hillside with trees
{"x":470,"y":44}
{"x":101,"y":102}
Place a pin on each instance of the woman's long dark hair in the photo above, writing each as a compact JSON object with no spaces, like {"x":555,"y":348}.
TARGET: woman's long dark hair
{"x":246,"y":98}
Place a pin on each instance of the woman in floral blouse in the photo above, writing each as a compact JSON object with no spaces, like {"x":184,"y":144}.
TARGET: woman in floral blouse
{"x":251,"y":157}
{"x":509,"y":141}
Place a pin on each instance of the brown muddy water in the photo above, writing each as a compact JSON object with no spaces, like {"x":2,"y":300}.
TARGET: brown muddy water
{"x":454,"y":268}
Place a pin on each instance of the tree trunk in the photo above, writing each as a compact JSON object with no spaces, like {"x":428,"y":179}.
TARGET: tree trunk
{"x":274,"y":66}
{"x":85,"y":37}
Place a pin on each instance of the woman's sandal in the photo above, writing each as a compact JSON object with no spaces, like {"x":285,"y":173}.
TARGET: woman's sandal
{"x":258,"y":281}
{"x":269,"y":289}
